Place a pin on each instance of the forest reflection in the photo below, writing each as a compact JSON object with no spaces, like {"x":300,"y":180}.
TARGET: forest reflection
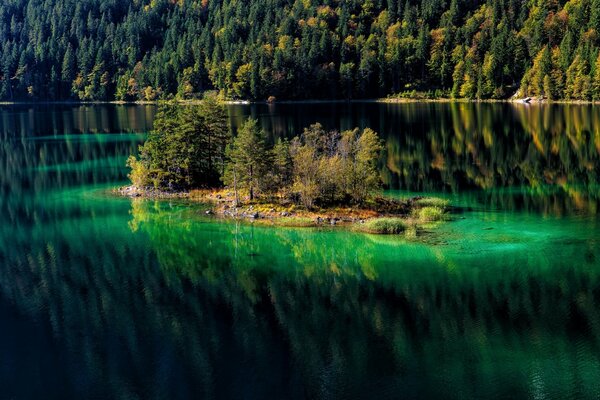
{"x":487,"y":146}
{"x":538,"y":158}
{"x":56,"y":120}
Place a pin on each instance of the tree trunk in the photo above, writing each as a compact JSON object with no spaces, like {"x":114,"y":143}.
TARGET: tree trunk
{"x":251,"y":184}
{"x":235,"y":190}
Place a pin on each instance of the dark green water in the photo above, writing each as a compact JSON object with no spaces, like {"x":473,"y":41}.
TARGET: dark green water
{"x":103,"y":297}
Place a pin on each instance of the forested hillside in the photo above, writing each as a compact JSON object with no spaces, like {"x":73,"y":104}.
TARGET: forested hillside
{"x":290,"y":49}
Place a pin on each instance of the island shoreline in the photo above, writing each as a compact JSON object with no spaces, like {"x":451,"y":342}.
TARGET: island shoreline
{"x":383,"y":216}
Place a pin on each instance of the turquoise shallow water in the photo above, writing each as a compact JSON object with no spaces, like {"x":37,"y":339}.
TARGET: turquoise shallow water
{"x":105,"y":297}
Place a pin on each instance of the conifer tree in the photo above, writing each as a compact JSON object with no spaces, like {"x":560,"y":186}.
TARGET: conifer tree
{"x":186,"y":148}
{"x":247,"y":158}
{"x":596,"y":81}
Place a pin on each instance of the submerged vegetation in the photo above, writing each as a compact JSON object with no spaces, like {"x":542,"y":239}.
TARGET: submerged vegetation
{"x":325,"y":176}
{"x":386,"y":225}
{"x":297,"y":49}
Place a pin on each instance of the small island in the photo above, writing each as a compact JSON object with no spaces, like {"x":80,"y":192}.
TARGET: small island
{"x":318,"y":178}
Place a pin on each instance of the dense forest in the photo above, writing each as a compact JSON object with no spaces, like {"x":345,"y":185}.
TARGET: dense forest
{"x":291,"y":49}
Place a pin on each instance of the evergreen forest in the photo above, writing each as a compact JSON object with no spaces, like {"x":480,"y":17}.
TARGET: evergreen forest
{"x":97,"y":50}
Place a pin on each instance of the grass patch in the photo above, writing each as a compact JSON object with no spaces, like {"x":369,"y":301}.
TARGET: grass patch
{"x":431,"y":214}
{"x":386,"y":226}
{"x":432,"y":202}
{"x":411,"y":232}
{"x":294,"y":222}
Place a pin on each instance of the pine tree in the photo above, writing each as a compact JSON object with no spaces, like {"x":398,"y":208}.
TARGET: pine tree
{"x":185,"y":150}
{"x":69,"y":65}
{"x":247,"y":158}
{"x":548,"y":87}
{"x":595,"y":15}
{"x":215,"y":122}
{"x":579,"y":85}
{"x":282,"y":163}
{"x":596,"y":81}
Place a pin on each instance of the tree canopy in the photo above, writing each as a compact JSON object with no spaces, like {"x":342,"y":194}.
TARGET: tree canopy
{"x":186,"y":148}
{"x":247,"y":159}
{"x":151,"y":49}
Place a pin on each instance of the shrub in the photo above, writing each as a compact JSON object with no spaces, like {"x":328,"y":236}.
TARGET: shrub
{"x":432,"y":202}
{"x":431,"y":214}
{"x":388,"y":226}
{"x":295,"y":222}
{"x":138,"y":175}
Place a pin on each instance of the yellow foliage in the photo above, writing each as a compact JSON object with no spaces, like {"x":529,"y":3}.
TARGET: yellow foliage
{"x":393,"y":32}
{"x":150,"y":94}
{"x":383,"y":20}
{"x":268,"y":48}
{"x":284,"y":42}
{"x":350,"y":41}
{"x":325,"y":12}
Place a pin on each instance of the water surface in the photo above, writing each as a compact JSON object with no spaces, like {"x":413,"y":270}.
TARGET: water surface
{"x":104,"y":297}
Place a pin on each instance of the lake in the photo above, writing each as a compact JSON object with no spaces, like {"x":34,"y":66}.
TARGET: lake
{"x":104,"y":297}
